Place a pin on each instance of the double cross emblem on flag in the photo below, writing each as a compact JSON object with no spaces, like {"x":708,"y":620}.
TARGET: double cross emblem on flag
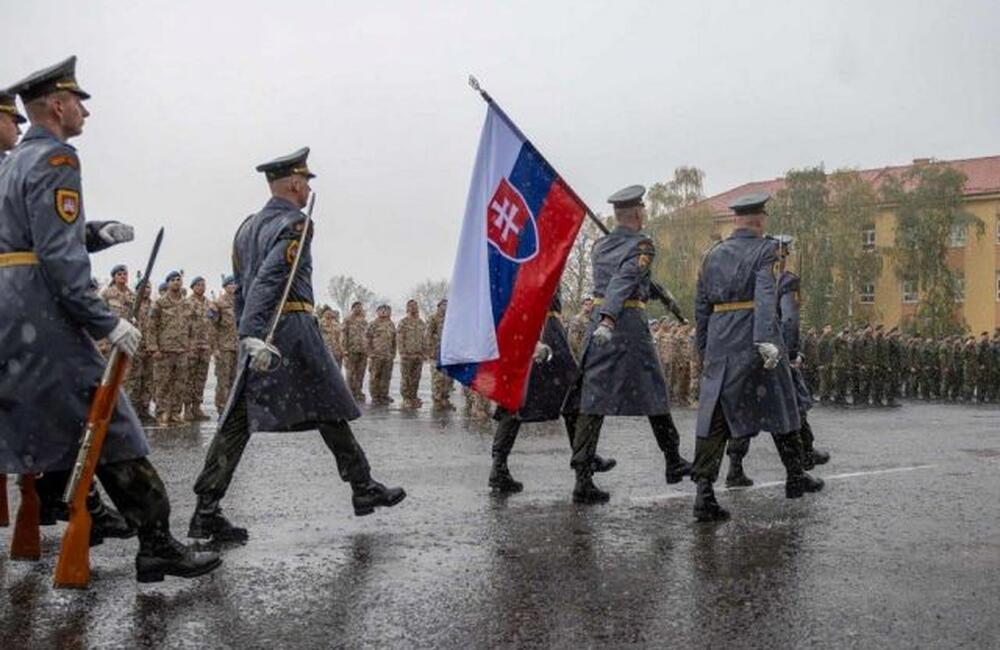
{"x":510,"y":226}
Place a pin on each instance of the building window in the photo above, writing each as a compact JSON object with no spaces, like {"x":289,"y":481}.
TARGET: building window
{"x":960,"y":286}
{"x":957,"y":237}
{"x":909,"y":291}
{"x":868,"y":293}
{"x":868,"y":238}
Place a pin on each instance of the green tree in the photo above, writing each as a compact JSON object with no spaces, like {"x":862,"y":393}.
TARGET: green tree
{"x":928,"y":203}
{"x":852,"y":207}
{"x":577,"y":279}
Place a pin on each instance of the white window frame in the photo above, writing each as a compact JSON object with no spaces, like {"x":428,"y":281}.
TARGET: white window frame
{"x":909,"y":297}
{"x":958,"y":236}
{"x":870,"y":295}
{"x":868,"y":239}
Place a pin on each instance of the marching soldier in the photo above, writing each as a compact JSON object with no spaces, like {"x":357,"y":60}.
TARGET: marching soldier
{"x":200,"y":350}
{"x":441,"y":383}
{"x":747,"y":383}
{"x":620,"y":371}
{"x":293,"y":385}
{"x":578,"y":326}
{"x":381,"y":343}
{"x":553,"y":372}
{"x":356,"y":347}
{"x":139,"y":385}
{"x":170,"y":325}
{"x":222,"y":316}
{"x":411,"y":334}
{"x":45,"y":286}
{"x":333,"y":336}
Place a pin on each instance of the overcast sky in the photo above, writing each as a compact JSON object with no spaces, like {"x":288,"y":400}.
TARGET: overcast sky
{"x":189,"y":96}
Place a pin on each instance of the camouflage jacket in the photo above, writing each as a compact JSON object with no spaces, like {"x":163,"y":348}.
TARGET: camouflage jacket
{"x":381,"y":339}
{"x":201,"y":326}
{"x":222,"y":315}
{"x":411,"y":334}
{"x":355,"y":330}
{"x":119,"y":299}
{"x":170,"y":325}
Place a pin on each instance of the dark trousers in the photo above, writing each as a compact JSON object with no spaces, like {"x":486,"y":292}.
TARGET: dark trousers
{"x":508,"y":426}
{"x":708,"y":451}
{"x":588,"y":432}
{"x":132,"y":485}
{"x":232,"y":437}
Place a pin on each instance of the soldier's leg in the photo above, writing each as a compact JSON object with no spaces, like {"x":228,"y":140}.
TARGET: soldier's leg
{"x":373,"y":380}
{"x":352,"y":465}
{"x":737,"y":450}
{"x":147,"y":382}
{"x":180,"y":388}
{"x":810,"y":455}
{"x":137,"y":491}
{"x":797,"y":482}
{"x":387,"y":367}
{"x":198,"y":374}
{"x":163,"y":388}
{"x":588,"y":432}
{"x":669,"y":440}
{"x":406,"y":388}
{"x":708,"y":452}
{"x":224,"y":454}
{"x":600,"y":464}
{"x":503,"y":441}
{"x":222,"y":363}
{"x":361,"y":366}
{"x":416,"y":370}
{"x":106,"y":522}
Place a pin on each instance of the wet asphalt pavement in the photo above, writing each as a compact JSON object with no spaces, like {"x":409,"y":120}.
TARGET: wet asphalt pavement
{"x":902,"y":548}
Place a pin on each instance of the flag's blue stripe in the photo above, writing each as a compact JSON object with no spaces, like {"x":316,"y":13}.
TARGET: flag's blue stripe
{"x":463,"y":373}
{"x":532,"y":177}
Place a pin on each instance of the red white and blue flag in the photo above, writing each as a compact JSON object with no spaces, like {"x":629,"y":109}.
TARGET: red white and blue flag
{"x":520,"y":223}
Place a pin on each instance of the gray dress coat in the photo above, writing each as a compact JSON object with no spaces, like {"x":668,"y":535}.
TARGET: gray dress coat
{"x":788,"y":311}
{"x":307,"y":388}
{"x":50,"y":316}
{"x":622,"y":377}
{"x":741,"y":269}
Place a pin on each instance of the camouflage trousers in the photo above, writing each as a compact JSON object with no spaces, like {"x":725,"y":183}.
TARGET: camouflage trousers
{"x":197,"y":373}
{"x":441,"y":387}
{"x":409,"y":377}
{"x":225,"y":375}
{"x":170,"y":376}
{"x":379,"y":376}
{"x":680,"y":383}
{"x":139,"y":382}
{"x":356,"y":364}
{"x":476,"y":406}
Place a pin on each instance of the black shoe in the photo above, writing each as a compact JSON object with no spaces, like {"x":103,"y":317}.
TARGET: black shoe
{"x":706,"y":508}
{"x":677,"y":470}
{"x":164,"y":556}
{"x":819,"y":457}
{"x":107,"y":522}
{"x":737,"y":478}
{"x":371,"y":495}
{"x":586,"y":492}
{"x":501,"y":481}
{"x":602,"y":464}
{"x":796,"y":486}
{"x":209,"y":523}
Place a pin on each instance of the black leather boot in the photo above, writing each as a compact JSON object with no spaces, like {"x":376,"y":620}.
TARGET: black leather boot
{"x":585,"y":491}
{"x":811,"y":456}
{"x":676,"y":467}
{"x":107,"y":522}
{"x":161,"y":555}
{"x":600,"y":464}
{"x":706,"y":508}
{"x":208,"y":522}
{"x":797,"y":482}
{"x":737,"y":478}
{"x":500,"y":479}
{"x":372,"y":494}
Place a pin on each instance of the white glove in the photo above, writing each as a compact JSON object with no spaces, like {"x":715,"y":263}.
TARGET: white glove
{"x":543,"y":353}
{"x":116,"y":233}
{"x":126,"y":336}
{"x":770,"y":354}
{"x":263,"y":357}
{"x":602,"y":335}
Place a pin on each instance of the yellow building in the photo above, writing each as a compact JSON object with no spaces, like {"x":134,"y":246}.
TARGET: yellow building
{"x":976,"y":259}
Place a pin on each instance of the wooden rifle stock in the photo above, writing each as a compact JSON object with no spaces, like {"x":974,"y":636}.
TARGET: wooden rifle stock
{"x":4,"y":508}
{"x":26,"y":543}
{"x":73,"y":566}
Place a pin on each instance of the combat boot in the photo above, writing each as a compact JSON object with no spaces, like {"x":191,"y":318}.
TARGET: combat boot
{"x":107,"y":522}
{"x":585,"y":491}
{"x":208,"y":522}
{"x":797,"y":481}
{"x":676,"y":467}
{"x":371,"y":494}
{"x":161,"y":555}
{"x":600,"y":464}
{"x":706,"y":508}
{"x":197,"y":414}
{"x":737,"y":478}
{"x":500,"y":479}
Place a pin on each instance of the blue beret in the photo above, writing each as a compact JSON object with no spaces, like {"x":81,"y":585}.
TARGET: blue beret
{"x":117,"y":268}
{"x":196,"y":280}
{"x":229,"y":279}
{"x":163,"y":286}
{"x":172,"y":275}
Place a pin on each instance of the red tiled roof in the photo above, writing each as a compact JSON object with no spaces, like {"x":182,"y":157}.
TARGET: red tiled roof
{"x":982,"y":177}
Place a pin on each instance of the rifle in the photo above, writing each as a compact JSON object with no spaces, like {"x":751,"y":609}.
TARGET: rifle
{"x":291,"y":273}
{"x":657,"y":290}
{"x":73,"y":566}
{"x":26,"y":543}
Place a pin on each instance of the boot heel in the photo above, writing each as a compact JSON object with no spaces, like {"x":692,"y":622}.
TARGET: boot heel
{"x":361,"y":512}
{"x":793,"y":491}
{"x":149,"y":576}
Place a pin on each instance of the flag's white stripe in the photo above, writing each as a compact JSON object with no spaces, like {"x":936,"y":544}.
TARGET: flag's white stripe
{"x":468,"y":335}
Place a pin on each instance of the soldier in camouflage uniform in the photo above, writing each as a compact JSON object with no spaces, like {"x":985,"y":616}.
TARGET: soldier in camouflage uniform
{"x":970,"y":368}
{"x":199,"y":352}
{"x":662,"y":342}
{"x":222,"y":315}
{"x":895,"y":359}
{"x":983,"y":368}
{"x":170,"y":338}
{"x":694,"y":365}
{"x":139,"y":385}
{"x":381,"y":347}
{"x":411,"y":335}
{"x":840,"y":367}
{"x":577,"y":330}
{"x":119,"y":297}
{"x":333,"y":336}
{"x":680,"y":366}
{"x":441,"y":383}
{"x":824,"y":363}
{"x":880,"y":374}
{"x":929,"y":371}
{"x":356,"y":347}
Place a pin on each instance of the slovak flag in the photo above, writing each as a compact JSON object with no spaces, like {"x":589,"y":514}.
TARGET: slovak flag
{"x":521,"y":219}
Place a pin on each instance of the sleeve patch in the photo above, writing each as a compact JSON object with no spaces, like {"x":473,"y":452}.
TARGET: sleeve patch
{"x":64,"y":160}
{"x":290,"y":252}
{"x":646,"y":254}
{"x":67,"y":204}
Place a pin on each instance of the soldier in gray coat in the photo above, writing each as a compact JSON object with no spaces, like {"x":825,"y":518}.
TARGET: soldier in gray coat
{"x":51,"y":316}
{"x":305,"y":390}
{"x":621,"y":373}
{"x":746,"y":383}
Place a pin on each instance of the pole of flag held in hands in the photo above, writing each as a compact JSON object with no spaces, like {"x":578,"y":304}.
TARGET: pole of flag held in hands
{"x":659,"y":292}
{"x":73,"y":566}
